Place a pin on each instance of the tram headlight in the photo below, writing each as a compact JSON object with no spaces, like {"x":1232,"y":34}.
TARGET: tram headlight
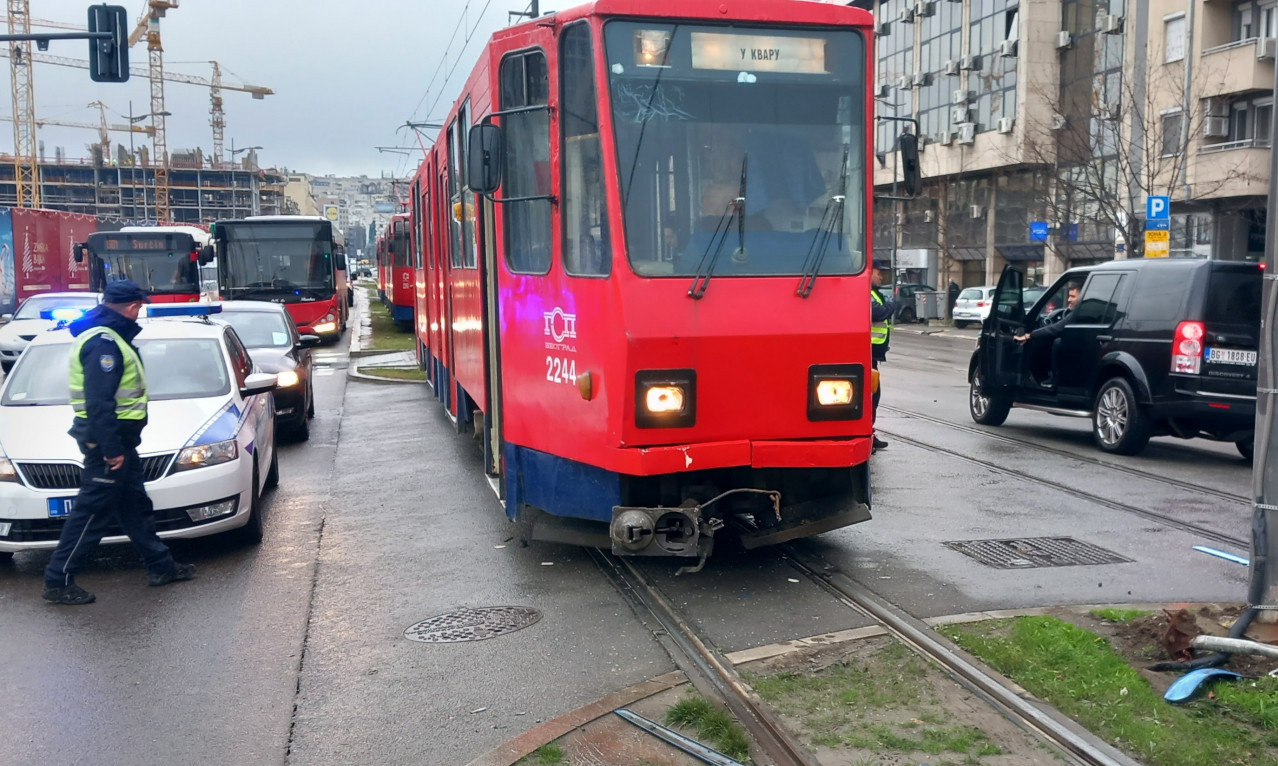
{"x":835,"y":391}
{"x":665,"y":398}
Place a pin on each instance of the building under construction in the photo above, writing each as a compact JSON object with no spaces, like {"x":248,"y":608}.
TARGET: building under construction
{"x":199,"y":192}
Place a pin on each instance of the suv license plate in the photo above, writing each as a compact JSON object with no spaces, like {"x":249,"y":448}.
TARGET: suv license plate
{"x":60,"y":506}
{"x":1231,"y":356}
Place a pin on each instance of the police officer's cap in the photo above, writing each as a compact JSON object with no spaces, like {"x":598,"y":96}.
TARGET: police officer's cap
{"x":124,"y":291}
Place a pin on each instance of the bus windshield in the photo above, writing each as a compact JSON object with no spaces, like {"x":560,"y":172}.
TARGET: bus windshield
{"x":162,"y":263}
{"x":756,"y":133}
{"x":293,"y":258}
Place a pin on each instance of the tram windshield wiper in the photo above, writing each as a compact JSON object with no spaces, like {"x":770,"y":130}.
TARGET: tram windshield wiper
{"x":736,"y":209}
{"x":830,"y":219}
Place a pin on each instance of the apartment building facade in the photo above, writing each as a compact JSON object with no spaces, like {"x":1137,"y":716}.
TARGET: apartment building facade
{"x":1046,"y":123}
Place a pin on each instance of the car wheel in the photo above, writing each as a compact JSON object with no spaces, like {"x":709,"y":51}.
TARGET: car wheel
{"x":301,"y":430}
{"x":987,"y":409}
{"x":1246,"y":448}
{"x":1120,"y":424}
{"x":251,"y":532}
{"x":310,"y":401}
{"x":907,"y":316}
{"x":273,"y":473}
{"x":960,"y":324}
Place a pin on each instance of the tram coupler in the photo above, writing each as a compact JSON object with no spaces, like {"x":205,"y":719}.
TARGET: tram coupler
{"x":684,"y":530}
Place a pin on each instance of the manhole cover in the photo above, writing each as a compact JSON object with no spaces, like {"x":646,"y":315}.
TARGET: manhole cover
{"x":1031,"y":552}
{"x":468,"y":624}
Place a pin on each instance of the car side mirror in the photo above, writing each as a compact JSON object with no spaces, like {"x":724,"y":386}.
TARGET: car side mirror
{"x":80,"y":247}
{"x":911,"y":177}
{"x":206,"y":255}
{"x":258,"y":383}
{"x":308,"y":341}
{"x":6,"y":317}
{"x":484,"y":160}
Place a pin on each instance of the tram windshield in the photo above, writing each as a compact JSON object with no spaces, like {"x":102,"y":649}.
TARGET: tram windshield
{"x":293,"y":260}
{"x":709,"y":115}
{"x":162,"y":263}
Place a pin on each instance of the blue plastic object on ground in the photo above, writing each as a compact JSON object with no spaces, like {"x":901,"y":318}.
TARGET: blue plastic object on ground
{"x":1187,"y":685}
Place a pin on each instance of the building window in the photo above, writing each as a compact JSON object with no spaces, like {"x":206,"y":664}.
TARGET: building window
{"x":1173,"y":123}
{"x":942,"y":41}
{"x":1174,"y":38}
{"x":1262,"y":121}
{"x":994,"y":84}
{"x":896,"y":61}
{"x":1243,"y":22}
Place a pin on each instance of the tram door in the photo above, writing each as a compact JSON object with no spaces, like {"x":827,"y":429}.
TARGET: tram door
{"x":492,"y":350}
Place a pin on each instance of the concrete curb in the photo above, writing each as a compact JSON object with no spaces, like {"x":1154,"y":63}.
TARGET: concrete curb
{"x":526,"y":743}
{"x":351,"y":374}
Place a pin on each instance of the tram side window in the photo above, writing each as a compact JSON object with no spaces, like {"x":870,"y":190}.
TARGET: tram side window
{"x":463,"y":199}
{"x":587,"y":250}
{"x":417,"y":229}
{"x":528,"y":229}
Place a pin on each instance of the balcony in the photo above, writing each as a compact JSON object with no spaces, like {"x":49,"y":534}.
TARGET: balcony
{"x":1231,"y":169}
{"x":1236,"y":68}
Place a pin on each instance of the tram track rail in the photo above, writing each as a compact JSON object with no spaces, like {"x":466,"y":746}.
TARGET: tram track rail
{"x":1090,"y":460}
{"x":1076,"y":743}
{"x":704,"y":665}
{"x":1144,"y":513}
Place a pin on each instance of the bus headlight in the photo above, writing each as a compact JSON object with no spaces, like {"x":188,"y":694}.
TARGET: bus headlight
{"x":835,"y":391}
{"x":831,"y":393}
{"x":204,"y":455}
{"x":287,"y":378}
{"x":665,"y":398}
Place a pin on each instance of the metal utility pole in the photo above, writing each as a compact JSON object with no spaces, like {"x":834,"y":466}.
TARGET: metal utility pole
{"x":25,"y":169}
{"x":1264,"y":472}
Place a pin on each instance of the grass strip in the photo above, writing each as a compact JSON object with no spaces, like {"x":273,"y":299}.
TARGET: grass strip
{"x":394,"y":373}
{"x":712,"y":725}
{"x":549,"y":754}
{"x":386,"y":336}
{"x":1110,"y":614}
{"x":1079,"y":673}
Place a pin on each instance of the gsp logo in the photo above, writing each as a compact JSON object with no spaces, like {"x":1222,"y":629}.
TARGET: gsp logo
{"x":560,"y":325}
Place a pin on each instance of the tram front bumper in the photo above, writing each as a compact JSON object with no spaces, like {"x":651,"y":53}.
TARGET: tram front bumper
{"x":820,"y":453}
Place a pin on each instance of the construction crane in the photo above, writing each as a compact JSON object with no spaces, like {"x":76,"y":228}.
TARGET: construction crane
{"x":24,"y":129}
{"x":102,"y":127}
{"x":149,"y":27}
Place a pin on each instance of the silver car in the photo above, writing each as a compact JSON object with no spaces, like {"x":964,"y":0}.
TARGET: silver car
{"x":973,"y":305}
{"x":27,"y":322}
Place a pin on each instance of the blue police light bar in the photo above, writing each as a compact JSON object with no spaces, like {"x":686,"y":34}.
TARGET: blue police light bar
{"x":182,"y":310}
{"x":62,"y":314}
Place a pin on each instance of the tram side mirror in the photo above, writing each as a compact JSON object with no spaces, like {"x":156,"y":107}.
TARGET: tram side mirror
{"x":912,"y":176}
{"x":484,"y":160}
{"x":340,"y":264}
{"x":206,"y":255}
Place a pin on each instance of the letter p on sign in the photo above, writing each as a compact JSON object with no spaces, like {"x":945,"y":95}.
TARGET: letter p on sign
{"x":1157,"y":208}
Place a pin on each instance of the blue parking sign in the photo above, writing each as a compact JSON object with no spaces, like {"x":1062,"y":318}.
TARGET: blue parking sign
{"x":1157,"y":208}
{"x":1038,"y":231}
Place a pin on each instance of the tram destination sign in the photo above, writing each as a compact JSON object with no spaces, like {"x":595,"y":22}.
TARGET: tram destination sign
{"x":758,"y":53}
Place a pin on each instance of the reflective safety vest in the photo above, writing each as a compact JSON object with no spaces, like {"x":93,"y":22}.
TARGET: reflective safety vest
{"x":130,"y":395}
{"x":879,"y":331}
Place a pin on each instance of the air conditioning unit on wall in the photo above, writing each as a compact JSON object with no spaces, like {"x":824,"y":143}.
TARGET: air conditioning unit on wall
{"x":1111,"y":24}
{"x":1007,"y":49}
{"x":959,"y":113}
{"x":967,"y":133}
{"x":1216,"y":127}
{"x":920,"y":80}
{"x":970,"y":62}
{"x":952,"y":68}
{"x":947,"y":138}
{"x":907,"y":15}
{"x":976,"y":211}
{"x":1005,"y":124}
{"x":1064,"y":39}
{"x":961,"y":96}
{"x":1266,"y":47}
{"x":924,"y":9}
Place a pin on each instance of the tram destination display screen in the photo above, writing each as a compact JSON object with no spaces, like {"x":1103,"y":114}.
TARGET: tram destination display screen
{"x":757,"y":132}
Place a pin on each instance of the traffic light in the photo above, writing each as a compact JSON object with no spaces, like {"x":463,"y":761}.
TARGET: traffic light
{"x":912,"y":176}
{"x":109,"y":57}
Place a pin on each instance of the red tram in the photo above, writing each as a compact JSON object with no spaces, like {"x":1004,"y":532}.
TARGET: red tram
{"x":395,"y":266}
{"x":646,"y":231}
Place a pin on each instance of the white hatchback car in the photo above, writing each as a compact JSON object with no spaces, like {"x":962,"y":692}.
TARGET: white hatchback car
{"x":973,"y":305}
{"x":208,"y":450}
{"x":27,"y":322}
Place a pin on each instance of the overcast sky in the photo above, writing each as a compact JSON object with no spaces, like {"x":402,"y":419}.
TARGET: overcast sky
{"x":346,"y":74}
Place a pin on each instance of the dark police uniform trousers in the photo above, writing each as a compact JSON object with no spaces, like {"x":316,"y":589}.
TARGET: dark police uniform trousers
{"x":108,"y":497}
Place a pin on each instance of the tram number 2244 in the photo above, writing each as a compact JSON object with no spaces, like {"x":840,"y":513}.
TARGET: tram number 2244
{"x":561,"y":370}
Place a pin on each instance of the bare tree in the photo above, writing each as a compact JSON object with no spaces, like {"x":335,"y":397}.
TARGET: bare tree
{"x":1110,"y":146}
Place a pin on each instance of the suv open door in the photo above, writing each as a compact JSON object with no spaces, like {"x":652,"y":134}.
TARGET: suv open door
{"x":1001,"y":362}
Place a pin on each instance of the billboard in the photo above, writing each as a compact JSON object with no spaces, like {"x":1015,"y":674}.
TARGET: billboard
{"x":384,"y":207}
{"x":8,"y":283}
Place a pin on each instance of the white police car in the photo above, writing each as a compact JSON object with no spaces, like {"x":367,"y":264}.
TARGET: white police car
{"x":27,"y":322}
{"x":208,"y":450}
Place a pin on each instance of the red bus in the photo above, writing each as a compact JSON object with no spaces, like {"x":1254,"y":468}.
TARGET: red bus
{"x":291,"y":259}
{"x":395,"y":278}
{"x":164,"y":260}
{"x":646,"y":230}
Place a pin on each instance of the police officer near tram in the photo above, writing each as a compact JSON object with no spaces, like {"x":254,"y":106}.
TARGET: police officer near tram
{"x":882,"y":309}
{"x":108,"y":395}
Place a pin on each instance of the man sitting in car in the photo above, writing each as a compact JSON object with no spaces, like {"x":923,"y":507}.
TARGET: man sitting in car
{"x":1053,"y":325}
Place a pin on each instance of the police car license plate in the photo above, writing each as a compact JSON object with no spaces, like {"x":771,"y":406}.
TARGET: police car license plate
{"x":1231,"y":356}
{"x":60,"y":506}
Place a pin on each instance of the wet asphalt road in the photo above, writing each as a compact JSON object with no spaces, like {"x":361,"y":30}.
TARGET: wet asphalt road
{"x":294,"y":651}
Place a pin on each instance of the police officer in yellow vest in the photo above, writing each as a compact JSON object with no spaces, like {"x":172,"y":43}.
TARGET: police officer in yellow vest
{"x":882,"y":309}
{"x":108,"y":395}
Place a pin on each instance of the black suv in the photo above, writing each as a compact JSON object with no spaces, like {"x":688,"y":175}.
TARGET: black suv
{"x":1153,"y":347}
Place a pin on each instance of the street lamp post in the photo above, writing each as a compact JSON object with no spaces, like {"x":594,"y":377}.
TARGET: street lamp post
{"x":133,"y":161}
